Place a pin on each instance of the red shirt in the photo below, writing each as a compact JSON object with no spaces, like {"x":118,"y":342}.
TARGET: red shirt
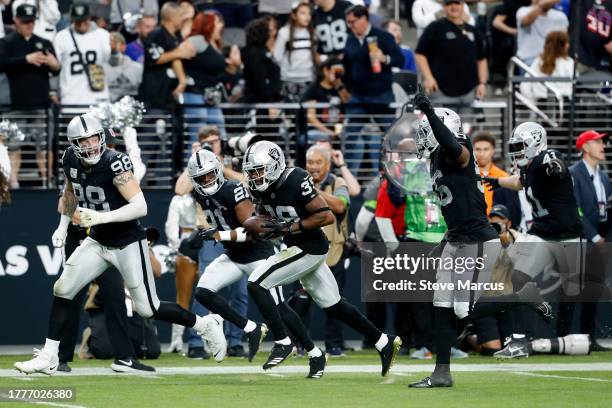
{"x":386,"y":209}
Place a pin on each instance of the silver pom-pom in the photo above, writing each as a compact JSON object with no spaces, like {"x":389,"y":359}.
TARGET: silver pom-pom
{"x":119,"y":115}
{"x":11,"y":132}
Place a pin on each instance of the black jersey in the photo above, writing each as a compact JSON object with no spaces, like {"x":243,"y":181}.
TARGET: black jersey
{"x":330,"y":28}
{"x":461,"y":195}
{"x":94,"y":189}
{"x":220,"y":214}
{"x":286,"y":199}
{"x":554,"y":208}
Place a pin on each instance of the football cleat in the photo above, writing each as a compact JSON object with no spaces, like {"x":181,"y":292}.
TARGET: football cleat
{"x":421,"y":354}
{"x":388,"y":353}
{"x":317,"y":366}
{"x":214,"y":336}
{"x":278,"y":355}
{"x":456,"y":353}
{"x":197,"y":353}
{"x":255,"y":338}
{"x":130,"y":365}
{"x":43,"y":362}
{"x":514,"y":348}
{"x":64,"y":367}
{"x":433,"y":382}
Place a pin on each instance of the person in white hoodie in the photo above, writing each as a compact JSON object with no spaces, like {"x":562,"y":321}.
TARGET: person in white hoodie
{"x":426,"y":11}
{"x":47,"y":18}
{"x":295,"y":51}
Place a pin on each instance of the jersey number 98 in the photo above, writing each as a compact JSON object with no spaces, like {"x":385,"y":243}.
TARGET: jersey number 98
{"x":92,"y":197}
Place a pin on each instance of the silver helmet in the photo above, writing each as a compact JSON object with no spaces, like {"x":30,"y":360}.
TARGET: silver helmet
{"x":425,"y":139}
{"x":202,"y":163}
{"x":527,"y":141}
{"x":263,"y":164}
{"x":83,"y":127}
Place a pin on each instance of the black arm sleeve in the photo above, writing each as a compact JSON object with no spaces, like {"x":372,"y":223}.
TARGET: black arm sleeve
{"x":445,"y":137}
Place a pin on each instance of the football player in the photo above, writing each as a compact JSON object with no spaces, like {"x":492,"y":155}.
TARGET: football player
{"x":101,"y":186}
{"x":456,"y":180}
{"x":227,"y":205}
{"x":549,"y":189}
{"x":299,"y":212}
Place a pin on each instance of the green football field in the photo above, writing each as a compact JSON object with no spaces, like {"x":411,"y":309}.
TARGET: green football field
{"x":353,"y":381}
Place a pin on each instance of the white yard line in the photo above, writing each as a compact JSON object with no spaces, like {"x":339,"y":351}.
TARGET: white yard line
{"x":37,"y":402}
{"x":563,"y":377}
{"x":332,"y":368}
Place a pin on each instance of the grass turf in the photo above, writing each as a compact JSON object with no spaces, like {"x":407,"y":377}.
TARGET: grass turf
{"x":472,"y":389}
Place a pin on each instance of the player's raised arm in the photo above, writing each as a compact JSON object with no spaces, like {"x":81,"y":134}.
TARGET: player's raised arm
{"x":129,"y":189}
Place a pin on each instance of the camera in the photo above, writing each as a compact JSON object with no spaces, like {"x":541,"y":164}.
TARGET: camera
{"x":239,"y":144}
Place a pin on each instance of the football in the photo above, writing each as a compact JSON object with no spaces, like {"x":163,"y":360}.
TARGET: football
{"x":253,"y":225}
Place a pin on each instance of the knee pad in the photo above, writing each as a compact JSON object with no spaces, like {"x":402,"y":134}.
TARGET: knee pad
{"x":63,"y":289}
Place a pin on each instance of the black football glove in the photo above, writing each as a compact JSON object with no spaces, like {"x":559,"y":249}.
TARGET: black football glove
{"x":555,"y":167}
{"x":207,"y":234}
{"x":490,"y":182}
{"x":422,"y":102}
{"x":276,"y":228}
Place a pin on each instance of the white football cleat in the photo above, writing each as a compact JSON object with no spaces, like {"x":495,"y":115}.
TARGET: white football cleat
{"x":214,"y":336}
{"x":43,"y":362}
{"x":176,"y":340}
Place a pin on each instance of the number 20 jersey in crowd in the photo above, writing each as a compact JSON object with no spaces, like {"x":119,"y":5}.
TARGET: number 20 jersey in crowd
{"x":286,"y":199}
{"x":94,"y":189}
{"x":220,"y":214}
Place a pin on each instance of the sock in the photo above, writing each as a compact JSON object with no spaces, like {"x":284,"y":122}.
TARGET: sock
{"x":518,"y":336}
{"x":347,"y":313}
{"x":173,"y":313}
{"x":51,"y":346}
{"x":217,"y":304}
{"x":60,"y":310}
{"x":285,"y":342}
{"x":295,"y":325}
{"x":268,"y":309}
{"x":445,"y":329}
{"x":315,"y":352}
{"x":382,"y":342}
{"x":249,"y":326}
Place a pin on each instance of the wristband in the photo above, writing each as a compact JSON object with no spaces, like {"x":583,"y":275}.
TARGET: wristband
{"x":241,"y":235}
{"x":225,"y":235}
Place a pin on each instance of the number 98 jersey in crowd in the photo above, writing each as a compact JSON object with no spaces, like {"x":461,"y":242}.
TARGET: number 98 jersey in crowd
{"x":549,"y":189}
{"x":94,"y":189}
{"x":286,"y":199}
{"x":220,"y":214}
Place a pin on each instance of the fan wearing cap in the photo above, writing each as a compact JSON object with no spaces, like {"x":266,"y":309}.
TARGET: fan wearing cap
{"x":77,"y":47}
{"x":592,"y":186}
{"x":47,"y":16}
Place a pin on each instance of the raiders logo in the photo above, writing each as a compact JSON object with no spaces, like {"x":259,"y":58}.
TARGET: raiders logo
{"x":273,"y":153}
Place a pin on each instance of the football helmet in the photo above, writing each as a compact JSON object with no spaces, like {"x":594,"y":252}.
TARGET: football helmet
{"x":263,"y":164}
{"x":527,"y":141}
{"x":83,"y":127}
{"x":426,"y":141}
{"x":202,"y":163}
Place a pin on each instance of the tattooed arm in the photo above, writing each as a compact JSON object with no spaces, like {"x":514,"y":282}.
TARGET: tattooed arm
{"x":68,"y":201}
{"x":136,"y":207}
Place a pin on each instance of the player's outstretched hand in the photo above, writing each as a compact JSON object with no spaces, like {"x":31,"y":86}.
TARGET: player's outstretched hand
{"x":422,"y":102}
{"x":89,"y":218}
{"x":276,"y":228}
{"x":490,"y":182}
{"x":59,"y":237}
{"x":210,"y":234}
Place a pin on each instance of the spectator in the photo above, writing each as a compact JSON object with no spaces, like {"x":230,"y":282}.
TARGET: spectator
{"x":369,"y":55}
{"x":326,"y":123}
{"x":425,"y":12}
{"x":123,"y":74}
{"x":394,"y":28}
{"x":592,"y":187}
{"x":484,"y":150}
{"x":452,"y":39}
{"x":295,"y":50}
{"x":594,"y":45}
{"x":135,"y":49}
{"x":232,"y":79}
{"x":236,"y":13}
{"x":329,"y":23}
{"x":505,"y":20}
{"x":188,"y":14}
{"x":28,"y":60}
{"x":121,"y":9}
{"x":47,"y":18}
{"x":162,"y":52}
{"x":534,"y":24}
{"x":261,"y":72}
{"x":78,"y":47}
{"x":340,"y":168}
{"x":204,"y":72}
{"x":555,"y":62}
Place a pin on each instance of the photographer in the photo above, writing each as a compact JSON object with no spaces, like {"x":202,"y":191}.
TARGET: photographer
{"x":324,"y":123}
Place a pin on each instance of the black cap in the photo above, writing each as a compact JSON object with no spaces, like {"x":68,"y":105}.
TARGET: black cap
{"x":452,"y":1}
{"x":26,"y":12}
{"x":500,"y":210}
{"x":79,"y":12}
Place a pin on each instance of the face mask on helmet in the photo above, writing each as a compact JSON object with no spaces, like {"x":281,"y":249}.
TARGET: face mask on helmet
{"x":90,"y":148}
{"x":208,"y":183}
{"x":517,"y":152}
{"x":257,"y":178}
{"x":426,"y":142}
